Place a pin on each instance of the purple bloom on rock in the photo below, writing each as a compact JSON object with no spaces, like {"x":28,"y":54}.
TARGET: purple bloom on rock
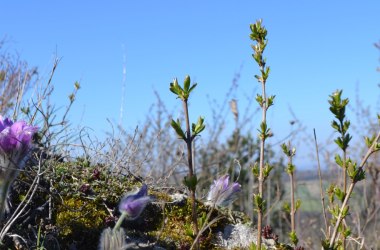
{"x":135,"y":202}
{"x":222,"y":193}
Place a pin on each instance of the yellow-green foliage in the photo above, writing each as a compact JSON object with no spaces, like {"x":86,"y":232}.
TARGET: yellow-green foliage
{"x":178,"y":227}
{"x":85,"y":196}
{"x":77,"y":214}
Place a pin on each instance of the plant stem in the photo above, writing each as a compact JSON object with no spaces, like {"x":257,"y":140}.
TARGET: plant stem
{"x":120,"y":221}
{"x":320,"y":183}
{"x":261,"y":173}
{"x":344,"y":177}
{"x":350,"y":189}
{"x":203,"y":228}
{"x":4,"y":187}
{"x":292,"y":206}
{"x":189,"y":141}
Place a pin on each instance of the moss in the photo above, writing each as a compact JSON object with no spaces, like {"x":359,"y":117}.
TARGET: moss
{"x":88,"y":198}
{"x":80,"y":221}
{"x":178,"y":228}
{"x":85,"y":199}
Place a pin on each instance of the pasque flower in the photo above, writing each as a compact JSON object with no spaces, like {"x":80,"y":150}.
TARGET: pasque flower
{"x":134,"y":203}
{"x":130,"y":208}
{"x":222,"y":193}
{"x":15,"y":145}
{"x":15,"y":137}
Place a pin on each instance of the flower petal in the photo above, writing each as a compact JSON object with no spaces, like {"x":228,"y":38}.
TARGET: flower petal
{"x":134,"y":202}
{"x":222,"y":193}
{"x":135,"y":207}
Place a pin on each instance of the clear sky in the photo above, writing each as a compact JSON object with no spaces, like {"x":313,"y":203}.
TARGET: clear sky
{"x":315,"y":47}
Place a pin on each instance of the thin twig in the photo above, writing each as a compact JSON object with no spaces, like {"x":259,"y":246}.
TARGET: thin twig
{"x":320,"y":182}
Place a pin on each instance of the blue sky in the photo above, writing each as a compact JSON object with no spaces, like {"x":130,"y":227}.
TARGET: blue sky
{"x":315,"y":47}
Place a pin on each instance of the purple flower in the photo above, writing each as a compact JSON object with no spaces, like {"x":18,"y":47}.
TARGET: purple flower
{"x":15,"y":137}
{"x":15,"y":144}
{"x":134,"y":203}
{"x":222,"y":193}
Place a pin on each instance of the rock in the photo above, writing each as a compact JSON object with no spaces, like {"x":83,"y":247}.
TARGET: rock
{"x":240,"y":236}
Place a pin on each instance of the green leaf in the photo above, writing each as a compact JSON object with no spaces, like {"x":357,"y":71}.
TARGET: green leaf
{"x":270,"y":100}
{"x":338,"y":160}
{"x":290,"y":168}
{"x":264,"y":131}
{"x":174,"y":87}
{"x":202,"y":219}
{"x":25,"y":110}
{"x":266,"y":73}
{"x":330,"y":192}
{"x":335,"y":126}
{"x":192,"y":87}
{"x":259,"y":100}
{"x":298,"y":204}
{"x":339,"y":194}
{"x":368,"y":141}
{"x":199,"y":127}
{"x":76,"y":85}
{"x":190,"y":182}
{"x":346,"y":125}
{"x":259,"y":202}
{"x":189,"y":230}
{"x":293,"y":238}
{"x":267,"y":170}
{"x":346,"y":140}
{"x":256,"y":170}
{"x":335,"y":211}
{"x":286,"y":207}
{"x":345,"y":211}
{"x":356,"y":174}
{"x":347,"y":232}
{"x":177,"y":127}
{"x":259,"y":78}
{"x":285,"y":149}
{"x":186,"y":83}
{"x":339,"y":142}
{"x":360,"y":175}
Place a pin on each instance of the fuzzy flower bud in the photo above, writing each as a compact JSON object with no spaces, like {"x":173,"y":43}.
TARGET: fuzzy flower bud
{"x":135,"y":202}
{"x":132,"y":205}
{"x":222,"y":193}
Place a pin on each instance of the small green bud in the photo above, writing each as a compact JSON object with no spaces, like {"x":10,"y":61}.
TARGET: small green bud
{"x":199,"y":127}
{"x":293,"y":238}
{"x":286,"y":207}
{"x":339,"y":194}
{"x":190,"y":182}
{"x":298,"y":204}
{"x":256,"y":170}
{"x":259,"y":202}
{"x":76,"y":85}
{"x":267,"y":170}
